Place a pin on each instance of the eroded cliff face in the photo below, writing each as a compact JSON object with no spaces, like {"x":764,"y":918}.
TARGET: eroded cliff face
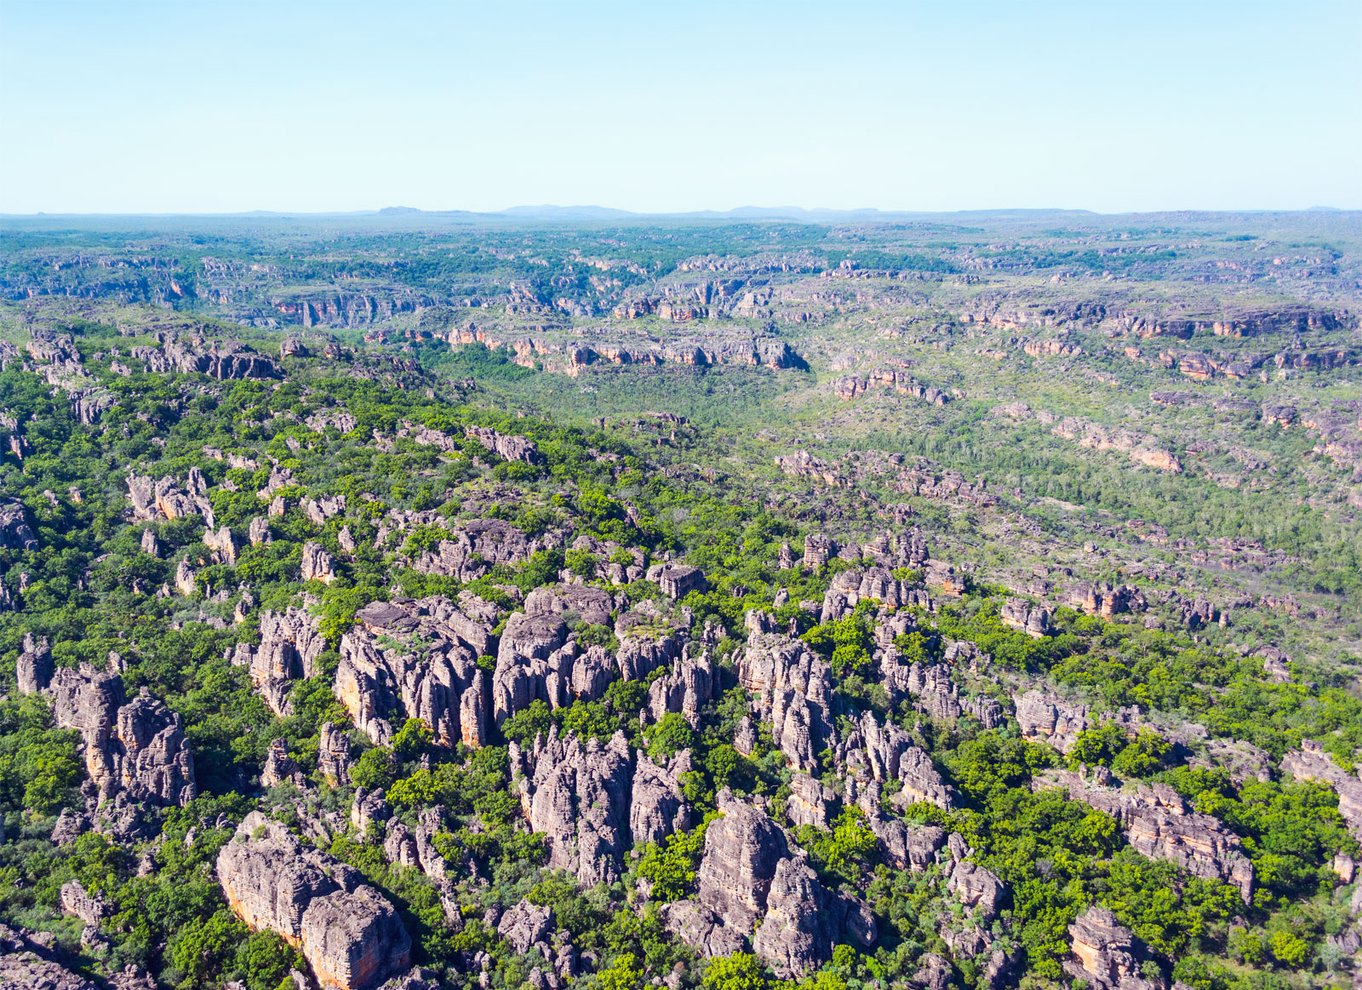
{"x":136,"y":748}
{"x":347,"y":931}
{"x":756,"y":892}
{"x":1106,"y":955}
{"x":418,"y":659}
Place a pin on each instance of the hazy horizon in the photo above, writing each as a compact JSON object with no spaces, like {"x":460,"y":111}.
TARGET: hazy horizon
{"x":585,"y":210}
{"x":152,"y":107}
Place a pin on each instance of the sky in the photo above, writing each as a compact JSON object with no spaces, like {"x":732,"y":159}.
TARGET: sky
{"x":209,"y":106}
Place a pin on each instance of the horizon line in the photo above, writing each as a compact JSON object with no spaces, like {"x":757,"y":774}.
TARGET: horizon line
{"x":598,"y":212}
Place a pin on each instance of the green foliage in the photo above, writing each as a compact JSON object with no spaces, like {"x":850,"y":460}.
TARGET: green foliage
{"x":39,"y":765}
{"x":669,"y":735}
{"x":669,"y":867}
{"x":740,"y":971}
{"x":845,"y":853}
{"x":375,"y":769}
{"x":413,"y":739}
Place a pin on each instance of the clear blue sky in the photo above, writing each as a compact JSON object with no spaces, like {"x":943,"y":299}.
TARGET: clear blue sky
{"x":186,"y":106}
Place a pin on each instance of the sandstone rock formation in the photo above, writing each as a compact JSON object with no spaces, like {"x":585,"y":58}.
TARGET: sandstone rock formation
{"x":25,"y":964}
{"x":1107,"y":956}
{"x":1158,"y":824}
{"x":791,"y":689}
{"x":877,"y":754}
{"x":34,"y":669}
{"x":892,"y":380}
{"x":511,"y":448}
{"x":418,"y":659}
{"x":15,"y":531}
{"x":318,"y":565}
{"x":1047,"y":718}
{"x":194,"y":354}
{"x":578,"y":795}
{"x":677,"y":580}
{"x":475,"y":546}
{"x":1311,"y":762}
{"x":1034,"y":620}
{"x":166,"y":499}
{"x":135,"y":747}
{"x":290,"y":643}
{"x":692,"y":683}
{"x":347,"y":931}
{"x":333,"y":753}
{"x":754,"y":888}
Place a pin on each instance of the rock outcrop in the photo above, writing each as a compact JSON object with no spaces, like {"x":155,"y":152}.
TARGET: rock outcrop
{"x":754,"y":888}
{"x":137,"y":748}
{"x":511,"y":448}
{"x":290,"y":643}
{"x":318,"y":565}
{"x":1032,"y":619}
{"x":333,"y":753}
{"x":25,"y":964}
{"x":1106,"y":955}
{"x":194,"y":354}
{"x":791,"y":689}
{"x":475,"y":546}
{"x":1158,"y":823}
{"x":167,"y":499}
{"x":33,"y":670}
{"x":418,"y":659}
{"x":878,"y":755}
{"x":677,"y":580}
{"x":578,"y":796}
{"x":347,"y":931}
{"x":1311,"y":762}
{"x":15,"y":531}
{"x":1047,"y":718}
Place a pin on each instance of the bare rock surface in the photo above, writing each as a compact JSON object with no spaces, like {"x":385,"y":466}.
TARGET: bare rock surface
{"x":15,"y":532}
{"x":416,"y":659}
{"x":755,"y":888}
{"x":578,"y":795}
{"x":1106,"y":955}
{"x":135,"y":747}
{"x":791,"y":689}
{"x":1047,"y":718}
{"x":347,"y":931}
{"x":25,"y":964}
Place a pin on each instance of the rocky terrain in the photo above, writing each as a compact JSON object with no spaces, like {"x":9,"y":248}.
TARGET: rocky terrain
{"x":741,"y":607}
